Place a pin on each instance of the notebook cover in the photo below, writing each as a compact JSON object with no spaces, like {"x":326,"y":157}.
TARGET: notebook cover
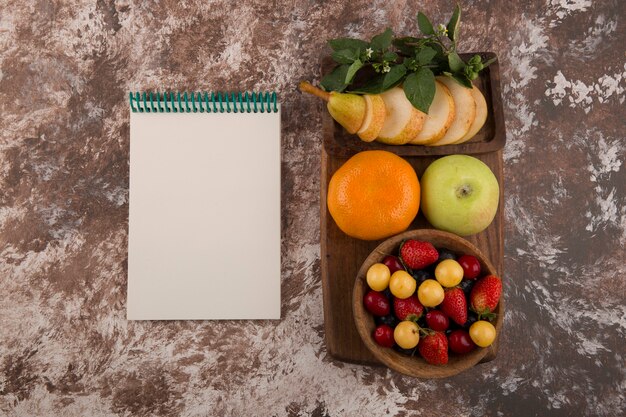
{"x":204,"y":221}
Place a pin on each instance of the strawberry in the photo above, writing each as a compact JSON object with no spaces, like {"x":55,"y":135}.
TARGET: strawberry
{"x":485,"y":295}
{"x":407,"y":307}
{"x":434,"y":348}
{"x":417,"y":255}
{"x":454,"y":305}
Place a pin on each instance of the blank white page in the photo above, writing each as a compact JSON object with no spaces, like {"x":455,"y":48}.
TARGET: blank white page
{"x":204,"y":222}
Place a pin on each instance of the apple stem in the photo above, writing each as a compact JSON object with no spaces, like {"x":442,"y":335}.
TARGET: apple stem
{"x":463,"y":191}
{"x":307,"y":87}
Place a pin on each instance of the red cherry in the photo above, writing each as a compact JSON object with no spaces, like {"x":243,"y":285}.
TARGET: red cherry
{"x":393,"y":263}
{"x":376,"y":303}
{"x":437,"y":321}
{"x":470,"y":265}
{"x":383,"y":335}
{"x":460,"y":341}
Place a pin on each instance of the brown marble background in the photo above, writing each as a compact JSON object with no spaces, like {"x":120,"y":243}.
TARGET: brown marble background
{"x":65,"y":346}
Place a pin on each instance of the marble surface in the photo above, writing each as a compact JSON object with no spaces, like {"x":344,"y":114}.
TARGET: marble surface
{"x":66,"y":348}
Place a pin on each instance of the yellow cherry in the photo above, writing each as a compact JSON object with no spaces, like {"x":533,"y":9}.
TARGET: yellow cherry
{"x":482,"y":333}
{"x":402,"y":285}
{"x":430,"y":293}
{"x":406,"y":334}
{"x":449,"y":273}
{"x":378,"y":277}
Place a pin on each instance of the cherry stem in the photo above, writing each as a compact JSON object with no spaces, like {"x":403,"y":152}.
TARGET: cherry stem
{"x":425,"y":331}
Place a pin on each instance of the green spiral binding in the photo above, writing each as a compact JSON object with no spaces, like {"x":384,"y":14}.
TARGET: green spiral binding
{"x":203,"y":102}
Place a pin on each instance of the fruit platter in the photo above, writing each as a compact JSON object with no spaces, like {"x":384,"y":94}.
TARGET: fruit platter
{"x":412,"y":144}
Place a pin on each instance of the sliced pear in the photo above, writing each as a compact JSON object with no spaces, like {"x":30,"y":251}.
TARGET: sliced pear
{"x":464,"y":109}
{"x":402,"y":122}
{"x":439,"y":117}
{"x":481,"y":115}
{"x":374,"y":117}
{"x":347,"y":109}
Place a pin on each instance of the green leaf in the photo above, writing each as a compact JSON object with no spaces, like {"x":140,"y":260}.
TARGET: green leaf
{"x":356,"y":65}
{"x":419,"y":88}
{"x":394,"y":76}
{"x":439,"y":50}
{"x":336,"y":80}
{"x":425,"y":55}
{"x":345,"y":56}
{"x":453,"y":24}
{"x":390,"y":56}
{"x":410,"y":63}
{"x":424,"y":24}
{"x":404,"y":40}
{"x":463,"y":80}
{"x":401,"y":44}
{"x":373,"y":86}
{"x":406,"y":50}
{"x":347,"y":43}
{"x":455,"y":62}
{"x":382,"y":82}
{"x":382,"y":41}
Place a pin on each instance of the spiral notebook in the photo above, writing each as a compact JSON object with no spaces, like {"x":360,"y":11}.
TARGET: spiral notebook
{"x":204,"y":206}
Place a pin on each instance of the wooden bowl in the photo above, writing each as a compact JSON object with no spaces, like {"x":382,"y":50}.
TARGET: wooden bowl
{"x":416,"y":366}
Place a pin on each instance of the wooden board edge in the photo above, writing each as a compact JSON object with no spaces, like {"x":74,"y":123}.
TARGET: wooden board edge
{"x":327,"y":310}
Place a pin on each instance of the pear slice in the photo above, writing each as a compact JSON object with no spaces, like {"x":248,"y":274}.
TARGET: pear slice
{"x":439,"y":118}
{"x":465,"y":111}
{"x":402,"y":122}
{"x":374,"y":117}
{"x":347,"y":109}
{"x":481,"y":115}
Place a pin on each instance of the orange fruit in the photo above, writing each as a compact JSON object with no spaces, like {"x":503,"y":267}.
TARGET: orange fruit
{"x":374,"y":195}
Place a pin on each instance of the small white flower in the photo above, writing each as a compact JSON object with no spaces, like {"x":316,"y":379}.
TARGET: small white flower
{"x":386,"y":67}
{"x":442,"y":29}
{"x":369,"y":52}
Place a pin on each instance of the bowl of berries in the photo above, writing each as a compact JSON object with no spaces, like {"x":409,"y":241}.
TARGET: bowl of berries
{"x":427,"y":303}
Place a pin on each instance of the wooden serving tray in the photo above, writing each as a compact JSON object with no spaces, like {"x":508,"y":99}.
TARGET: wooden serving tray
{"x":342,"y":256}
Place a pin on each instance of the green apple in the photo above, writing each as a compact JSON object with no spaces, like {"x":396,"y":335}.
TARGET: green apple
{"x":460,"y":194}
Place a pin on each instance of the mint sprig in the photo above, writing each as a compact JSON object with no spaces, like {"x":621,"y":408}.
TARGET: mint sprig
{"x":387,"y":61}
